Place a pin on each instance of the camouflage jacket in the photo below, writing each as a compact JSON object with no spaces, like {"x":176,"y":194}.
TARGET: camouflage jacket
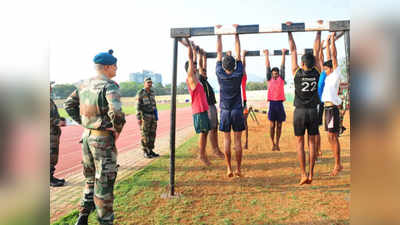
{"x":54,"y":119}
{"x":96,"y":104}
{"x":145,"y":103}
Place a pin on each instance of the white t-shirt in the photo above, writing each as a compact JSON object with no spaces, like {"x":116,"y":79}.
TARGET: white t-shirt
{"x":330,"y":92}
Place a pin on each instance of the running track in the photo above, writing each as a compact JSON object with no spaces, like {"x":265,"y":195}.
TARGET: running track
{"x":70,"y":155}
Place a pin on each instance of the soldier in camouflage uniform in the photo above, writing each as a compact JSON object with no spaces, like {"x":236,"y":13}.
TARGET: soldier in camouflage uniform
{"x":146,"y":113}
{"x":55,"y":132}
{"x":97,"y":107}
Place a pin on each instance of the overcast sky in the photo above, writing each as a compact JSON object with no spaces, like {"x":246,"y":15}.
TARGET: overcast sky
{"x":139,"y":32}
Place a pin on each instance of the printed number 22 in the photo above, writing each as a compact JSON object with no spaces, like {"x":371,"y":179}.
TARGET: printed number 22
{"x":307,"y":85}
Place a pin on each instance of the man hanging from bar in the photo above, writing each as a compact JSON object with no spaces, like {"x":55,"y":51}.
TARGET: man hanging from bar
{"x":245,"y":110}
{"x":331,"y":101}
{"x":199,"y":104}
{"x":305,"y":101}
{"x":320,"y":106}
{"x":212,"y":110}
{"x":276,"y":97}
{"x":230,"y":80}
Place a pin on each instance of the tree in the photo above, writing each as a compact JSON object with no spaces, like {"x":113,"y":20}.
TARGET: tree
{"x":128,"y":89}
{"x":182,"y":89}
{"x":62,"y":91}
{"x":253,"y":86}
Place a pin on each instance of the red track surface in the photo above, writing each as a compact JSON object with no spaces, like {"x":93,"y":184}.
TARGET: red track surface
{"x":70,"y":150}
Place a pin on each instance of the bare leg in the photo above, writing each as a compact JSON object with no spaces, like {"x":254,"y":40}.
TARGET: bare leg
{"x":318,"y":145}
{"x":247,"y":132}
{"x":301,"y":157}
{"x":202,"y":146}
{"x":238,"y":152}
{"x":311,"y":160}
{"x":227,"y":146}
{"x":214,"y":143}
{"x":278,"y":134}
{"x":334,"y":141}
{"x":272,"y":133}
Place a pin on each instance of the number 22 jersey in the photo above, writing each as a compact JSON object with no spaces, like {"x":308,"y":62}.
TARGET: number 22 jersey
{"x":306,"y":88}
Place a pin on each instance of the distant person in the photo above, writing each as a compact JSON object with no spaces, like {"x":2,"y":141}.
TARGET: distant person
{"x":230,"y":81}
{"x":199,"y":105}
{"x":55,"y":132}
{"x":212,"y":110}
{"x":276,"y":97}
{"x":305,"y":101}
{"x":147,"y":116}
{"x":331,"y":101}
{"x":96,"y":106}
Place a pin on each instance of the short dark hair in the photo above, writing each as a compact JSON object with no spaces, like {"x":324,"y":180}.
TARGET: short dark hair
{"x":308,"y":59}
{"x":328,"y":63}
{"x":186,"y":65}
{"x":276,"y":69}
{"x":228,"y":63}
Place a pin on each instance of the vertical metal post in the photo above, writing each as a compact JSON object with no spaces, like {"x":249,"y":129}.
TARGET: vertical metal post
{"x":347,"y":50}
{"x":173,"y":119}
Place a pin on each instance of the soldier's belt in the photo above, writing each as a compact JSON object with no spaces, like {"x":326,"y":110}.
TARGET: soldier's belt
{"x":100,"y":132}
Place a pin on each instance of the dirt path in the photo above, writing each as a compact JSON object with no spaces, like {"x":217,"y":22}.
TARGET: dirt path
{"x":268,"y":192}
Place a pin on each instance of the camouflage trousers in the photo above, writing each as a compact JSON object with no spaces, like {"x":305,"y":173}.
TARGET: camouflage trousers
{"x":148,"y":132}
{"x":100,"y":168}
{"x":54,"y":146}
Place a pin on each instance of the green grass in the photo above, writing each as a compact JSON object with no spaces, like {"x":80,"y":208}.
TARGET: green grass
{"x":129,"y":110}
{"x":141,"y":182}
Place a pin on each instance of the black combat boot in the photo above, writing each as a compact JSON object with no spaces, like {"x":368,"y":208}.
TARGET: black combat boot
{"x":82,"y":220}
{"x":59,"y":180}
{"x":154,"y":154}
{"x":55,"y":183}
{"x":147,"y":155}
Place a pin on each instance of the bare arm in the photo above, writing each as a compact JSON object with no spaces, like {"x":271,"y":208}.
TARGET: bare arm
{"x":219,"y":46}
{"x":282,"y":72}
{"x":201,"y":59}
{"x":237,"y":44}
{"x":328,"y":48}
{"x":284,"y":50}
{"x":293,"y":50}
{"x":194,"y":47}
{"x":267,"y":65}
{"x":316,"y":50}
{"x":321,"y":55}
{"x":204,"y":56}
{"x":244,"y":59}
{"x":333,"y":51}
{"x":191,"y":78}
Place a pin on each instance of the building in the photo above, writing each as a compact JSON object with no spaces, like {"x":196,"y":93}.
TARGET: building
{"x":139,"y":77}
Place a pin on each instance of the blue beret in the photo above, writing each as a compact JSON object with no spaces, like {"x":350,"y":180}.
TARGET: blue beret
{"x":105,"y":58}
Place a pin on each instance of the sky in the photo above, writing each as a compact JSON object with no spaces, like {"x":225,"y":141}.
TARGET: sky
{"x":139,"y":33}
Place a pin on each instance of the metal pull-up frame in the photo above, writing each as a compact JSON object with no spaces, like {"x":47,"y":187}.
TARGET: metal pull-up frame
{"x":179,"y":33}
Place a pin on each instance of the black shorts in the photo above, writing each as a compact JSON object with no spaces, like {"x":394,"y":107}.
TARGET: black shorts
{"x":320,"y":109}
{"x":332,"y":119}
{"x":305,"y":119}
{"x":232,"y":119}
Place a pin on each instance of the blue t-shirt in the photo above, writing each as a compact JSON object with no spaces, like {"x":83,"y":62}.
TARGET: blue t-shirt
{"x":321,"y":84}
{"x":230,"y":84}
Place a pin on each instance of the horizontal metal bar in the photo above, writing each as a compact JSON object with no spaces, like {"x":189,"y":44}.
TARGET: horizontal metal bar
{"x":339,"y":25}
{"x":259,"y":53}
